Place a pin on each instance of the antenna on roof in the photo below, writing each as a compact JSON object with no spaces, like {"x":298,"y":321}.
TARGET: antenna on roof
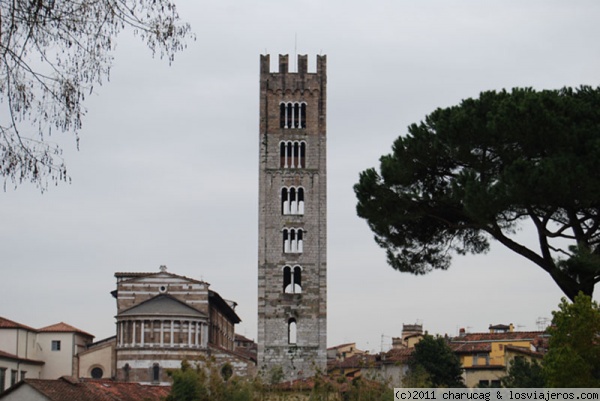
{"x":542,"y":323}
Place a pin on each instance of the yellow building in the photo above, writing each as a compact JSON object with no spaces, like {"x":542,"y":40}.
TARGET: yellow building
{"x":485,"y":357}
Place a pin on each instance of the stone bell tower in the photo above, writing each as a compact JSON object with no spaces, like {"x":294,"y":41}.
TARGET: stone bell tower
{"x":292,"y":250}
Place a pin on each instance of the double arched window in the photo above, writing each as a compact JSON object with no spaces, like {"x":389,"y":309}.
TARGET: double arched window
{"x":292,"y":154}
{"x":292,"y":200}
{"x":292,"y":115}
{"x":293,"y":240}
{"x":292,"y":280}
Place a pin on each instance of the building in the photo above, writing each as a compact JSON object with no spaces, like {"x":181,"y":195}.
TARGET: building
{"x":292,"y":260}
{"x":46,"y":353}
{"x":69,"y":388}
{"x":246,"y":347}
{"x":343,"y":351}
{"x":485,"y":357}
{"x":98,"y":360}
{"x":163,"y":319}
{"x":411,"y":335}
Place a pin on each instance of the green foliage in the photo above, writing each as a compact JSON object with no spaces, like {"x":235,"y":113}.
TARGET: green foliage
{"x":523,"y":374}
{"x":226,"y":371}
{"x":416,"y":377}
{"x":485,"y":168}
{"x":52,"y":53}
{"x":205,"y":382}
{"x":187,"y":384}
{"x":276,"y":375}
{"x":434,"y":364}
{"x":322,"y":389}
{"x":573,"y":359}
{"x":361,"y":390}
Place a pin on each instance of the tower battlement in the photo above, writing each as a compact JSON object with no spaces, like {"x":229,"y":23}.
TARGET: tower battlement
{"x":265,"y":64}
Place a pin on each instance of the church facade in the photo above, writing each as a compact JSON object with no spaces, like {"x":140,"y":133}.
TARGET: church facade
{"x":162,"y":319}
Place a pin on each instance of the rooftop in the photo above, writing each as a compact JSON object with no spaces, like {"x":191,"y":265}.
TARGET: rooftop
{"x":69,"y":388}
{"x":62,"y":327}
{"x":9,"y":324}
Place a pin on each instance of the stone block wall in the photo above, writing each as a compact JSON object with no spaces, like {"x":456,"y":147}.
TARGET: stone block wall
{"x":301,"y":357}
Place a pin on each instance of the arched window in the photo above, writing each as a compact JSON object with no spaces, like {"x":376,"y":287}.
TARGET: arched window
{"x":126,"y":370}
{"x":282,"y":115}
{"x":292,"y":280}
{"x":292,"y":154}
{"x":302,"y":160}
{"x":292,"y":331}
{"x":292,"y":200}
{"x":292,"y":115}
{"x":156,"y":373}
{"x":303,"y":115}
{"x":293,"y":240}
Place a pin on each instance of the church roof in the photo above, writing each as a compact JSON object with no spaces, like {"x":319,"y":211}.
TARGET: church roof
{"x":224,"y":306}
{"x":162,"y":305}
{"x":162,"y":273}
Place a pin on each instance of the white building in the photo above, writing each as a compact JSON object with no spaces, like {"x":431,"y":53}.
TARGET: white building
{"x":46,"y":353}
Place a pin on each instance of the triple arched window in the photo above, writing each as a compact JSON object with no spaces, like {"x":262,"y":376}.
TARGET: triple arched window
{"x":292,"y":280}
{"x":293,"y":240}
{"x":292,"y":115}
{"x":292,"y":154}
{"x":292,"y":200}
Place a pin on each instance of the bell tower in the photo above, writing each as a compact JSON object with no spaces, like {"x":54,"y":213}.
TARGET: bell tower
{"x":292,"y":250}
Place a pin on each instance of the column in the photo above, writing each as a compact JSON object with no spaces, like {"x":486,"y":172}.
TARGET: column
{"x":162,"y":333}
{"x":120,"y":333}
{"x":181,"y":333}
{"x":197,"y":327}
{"x":172,"y":324}
{"x":296,"y":115}
{"x":189,"y":333}
{"x":142,"y":333}
{"x":133,"y":336}
{"x":204,"y":335}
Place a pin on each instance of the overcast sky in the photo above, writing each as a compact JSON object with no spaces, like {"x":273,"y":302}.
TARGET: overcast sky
{"x":167,"y":170}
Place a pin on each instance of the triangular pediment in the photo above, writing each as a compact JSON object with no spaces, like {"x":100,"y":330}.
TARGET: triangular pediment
{"x":163,"y":305}
{"x":156,"y":276}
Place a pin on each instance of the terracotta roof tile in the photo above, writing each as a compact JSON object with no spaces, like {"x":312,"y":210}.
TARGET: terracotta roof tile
{"x":239,"y":337}
{"x":63,"y":328}
{"x":399,"y":354}
{"x":510,"y":336}
{"x":525,"y":351}
{"x":9,"y":324}
{"x":340,"y":346}
{"x":469,"y":348}
{"x":354,"y":361}
{"x":68,"y":389}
